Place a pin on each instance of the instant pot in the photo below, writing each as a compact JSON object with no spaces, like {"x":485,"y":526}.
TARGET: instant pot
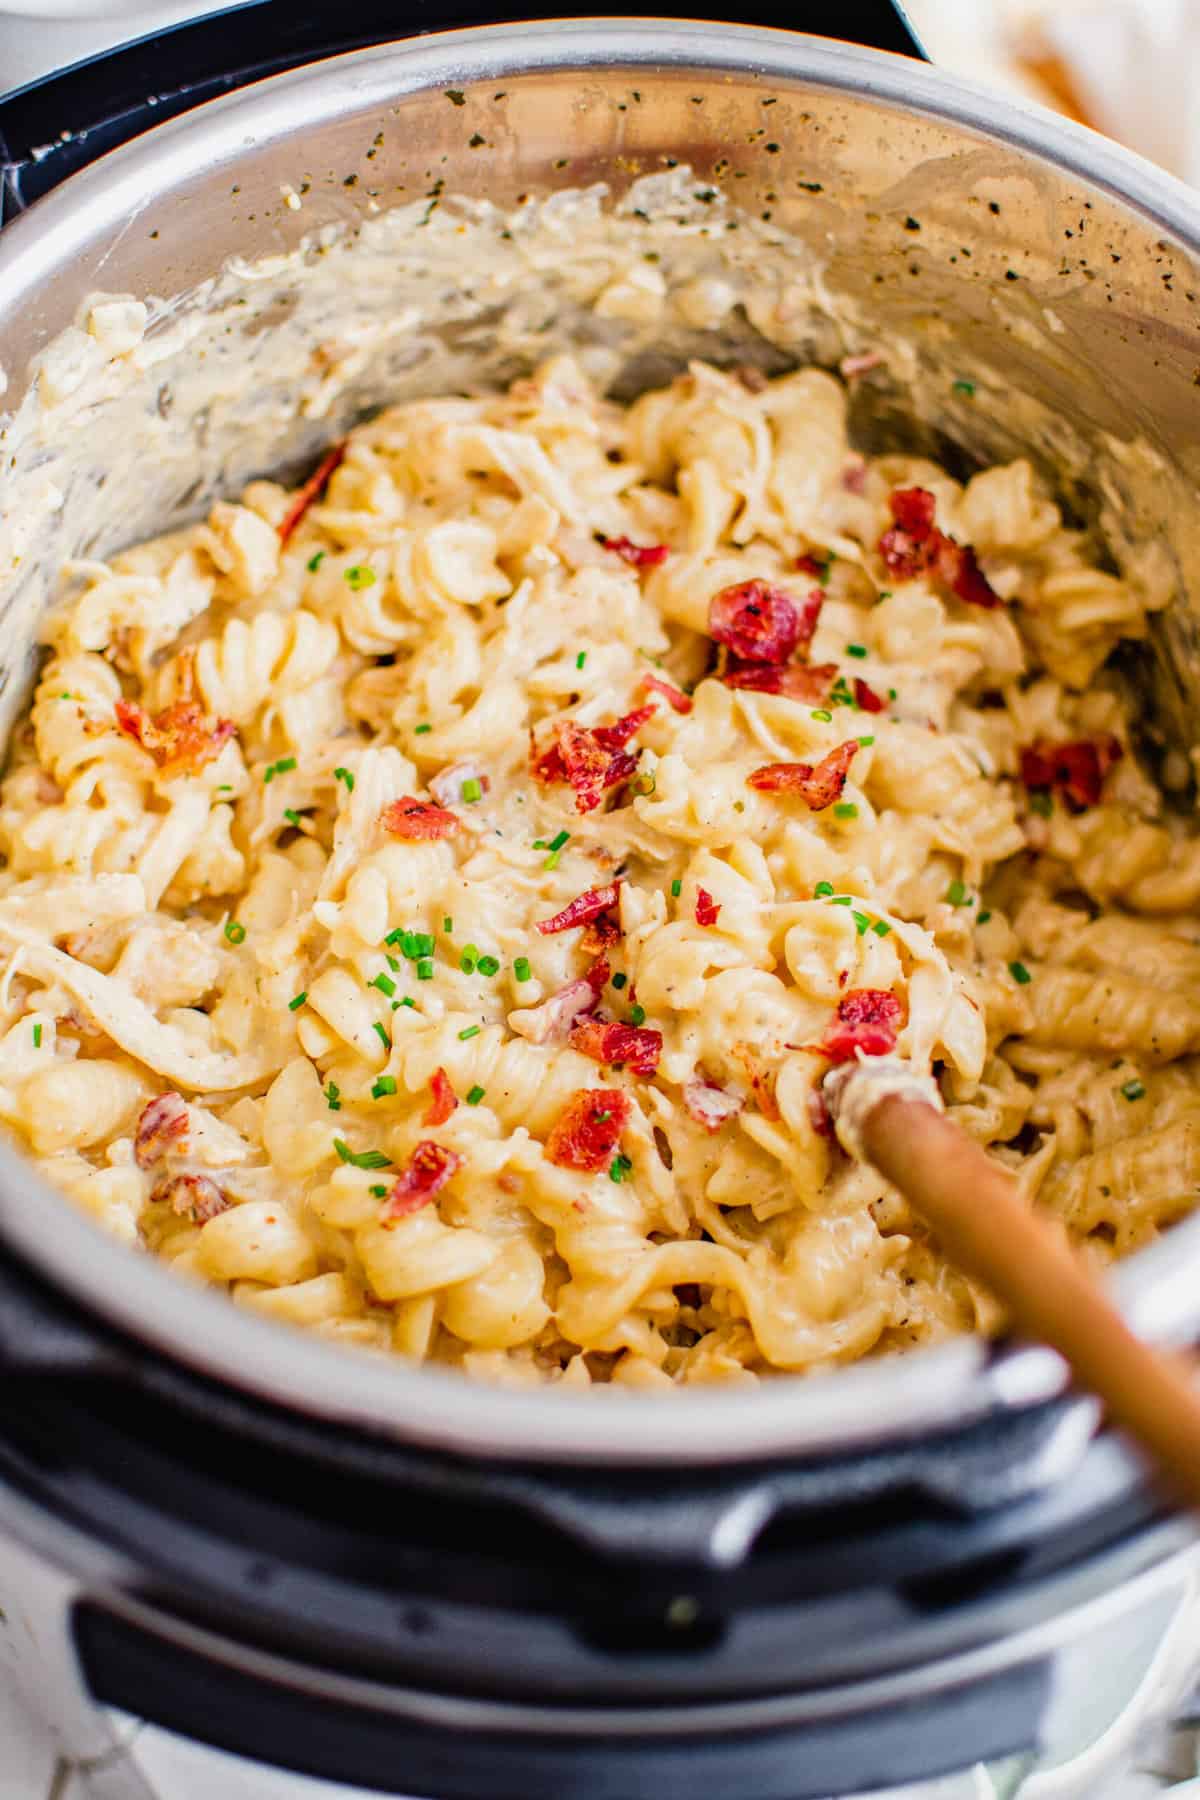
{"x":286,"y":1557}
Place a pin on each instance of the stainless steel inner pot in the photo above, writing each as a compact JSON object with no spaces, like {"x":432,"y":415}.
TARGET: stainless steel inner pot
{"x":988,"y":238}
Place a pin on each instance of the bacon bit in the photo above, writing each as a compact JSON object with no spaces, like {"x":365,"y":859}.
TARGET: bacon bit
{"x":603,"y":932}
{"x":597,"y":976}
{"x":312,"y":490}
{"x":915,"y":546}
{"x":854,"y":476}
{"x":588,"y":1129}
{"x":679,"y":702}
{"x":758,"y":622}
{"x":808,"y":565}
{"x":862,"y":364}
{"x":1077,"y":770}
{"x":638,"y":556}
{"x":447,"y":785}
{"x":709,"y":1104}
{"x":818,"y":1114}
{"x":581,"y":910}
{"x":759,"y":1080}
{"x":707,"y":909}
{"x":553,"y":1020}
{"x":444,"y":1099}
{"x":193,"y":1197}
{"x":417,"y":820}
{"x":807,"y":682}
{"x":427,"y":1170}
{"x":163,"y":1120}
{"x":592,"y":761}
{"x":181,"y":738}
{"x":635,"y":1045}
{"x":867,"y":698}
{"x":866,"y":1021}
{"x":818,"y":786}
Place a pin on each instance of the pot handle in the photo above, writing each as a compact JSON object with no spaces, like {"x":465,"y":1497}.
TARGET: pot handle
{"x":59,"y":125}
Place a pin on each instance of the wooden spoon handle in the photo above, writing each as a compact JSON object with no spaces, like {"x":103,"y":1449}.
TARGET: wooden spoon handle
{"x":992,"y":1234}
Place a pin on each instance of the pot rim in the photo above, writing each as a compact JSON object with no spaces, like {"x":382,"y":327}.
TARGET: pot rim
{"x":870,"y":1404}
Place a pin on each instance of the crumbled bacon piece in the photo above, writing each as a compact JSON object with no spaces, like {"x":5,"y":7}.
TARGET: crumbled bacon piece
{"x":915,"y":546}
{"x":635,"y":1045}
{"x":597,"y":976}
{"x":601,"y":934}
{"x":866,"y":697}
{"x":1077,"y":770}
{"x":638,"y":556}
{"x":709,"y":1104}
{"x":311,"y":492}
{"x":818,"y":785}
{"x":581,"y":910}
{"x":866,"y":1021}
{"x":760,"y":1080}
{"x":162,"y":1126}
{"x":427,"y":1170}
{"x":590,"y":761}
{"x":818,"y":1114}
{"x":417,"y":820}
{"x":181,"y":738}
{"x":761,"y":623}
{"x":193,"y":1197}
{"x":553,"y":1020}
{"x":807,"y":682}
{"x":677,"y":701}
{"x":707,"y":909}
{"x":588,"y":1129}
{"x":444,"y":1099}
{"x":447,"y":785}
{"x":809,"y":565}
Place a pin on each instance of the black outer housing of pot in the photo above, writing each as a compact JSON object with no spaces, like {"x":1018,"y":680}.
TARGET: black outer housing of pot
{"x":505,"y":1588}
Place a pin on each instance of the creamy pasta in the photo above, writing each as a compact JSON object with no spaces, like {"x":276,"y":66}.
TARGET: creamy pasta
{"x":434,"y":898}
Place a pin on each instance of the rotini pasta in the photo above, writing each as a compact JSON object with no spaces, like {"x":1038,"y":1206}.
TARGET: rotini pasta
{"x":432,"y":903}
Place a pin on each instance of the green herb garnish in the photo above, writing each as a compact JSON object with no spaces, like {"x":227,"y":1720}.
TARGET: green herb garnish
{"x":361,"y":1159}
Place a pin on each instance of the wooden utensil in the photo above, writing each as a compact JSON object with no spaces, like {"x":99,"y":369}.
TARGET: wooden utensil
{"x":992,"y":1234}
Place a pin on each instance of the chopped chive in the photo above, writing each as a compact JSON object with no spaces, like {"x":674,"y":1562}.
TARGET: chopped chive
{"x":395,"y":937}
{"x":476,"y":1095}
{"x":361,"y":1159}
{"x":862,"y":922}
{"x":581,"y":659}
{"x":447,"y":924}
{"x":619,"y":1168}
{"x":333,"y":1097}
{"x":637,"y":1015}
{"x":866,"y":742}
{"x":676,"y":888}
{"x":423,"y":944}
{"x":385,"y":1085}
{"x":558,"y":840}
{"x":539,"y":844}
{"x":856,"y":650}
{"x":359,"y":576}
{"x":1042,"y":804}
{"x":619,"y":981}
{"x":407,"y":1001}
{"x":422,"y":730}
{"x":842,"y":900}
{"x":384,"y":983}
{"x":883,"y":594}
{"x":964,"y":387}
{"x":822,"y":716}
{"x":1019,"y":973}
{"x":235,"y":931}
{"x":488,"y":965}
{"x":892,"y":694}
{"x":298,"y":1002}
{"x":985,"y":916}
{"x":600,"y":1117}
{"x":957,"y":894}
{"x":1134,"y":1090}
{"x":551,"y":861}
{"x":822,"y":890}
{"x":225,"y":788}
{"x":345,"y":776}
{"x":469,"y":1031}
{"x":468,"y":959}
{"x":472,"y":788}
{"x":378,"y":1190}
{"x":522,"y":970}
{"x":282,"y":767}
{"x":291,"y":815}
{"x":381,"y":1033}
{"x":37,"y":1037}
{"x":881,"y":928}
{"x":845,"y":809}
{"x":315,"y":561}
{"x":425,"y":969}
